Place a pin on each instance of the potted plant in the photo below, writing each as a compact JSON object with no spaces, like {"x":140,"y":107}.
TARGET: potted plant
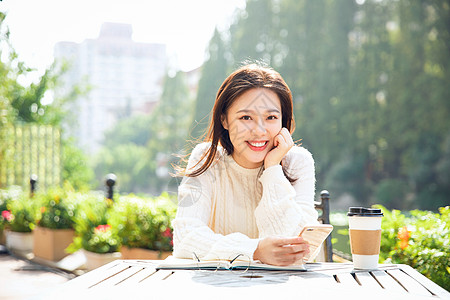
{"x":19,"y":219}
{"x":6,"y":196}
{"x":4,"y":213}
{"x":98,"y":239}
{"x":54,"y":231}
{"x":144,"y":226}
{"x":2,"y":225}
{"x":101,"y":246}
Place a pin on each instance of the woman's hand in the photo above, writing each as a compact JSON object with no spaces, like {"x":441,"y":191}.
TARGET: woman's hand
{"x":282,"y":143}
{"x":280,"y":251}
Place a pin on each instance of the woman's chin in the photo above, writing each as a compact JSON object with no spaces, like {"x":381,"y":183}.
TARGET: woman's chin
{"x":256,"y":161}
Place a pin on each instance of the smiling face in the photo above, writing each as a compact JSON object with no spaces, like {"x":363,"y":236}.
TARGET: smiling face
{"x":253,"y":120}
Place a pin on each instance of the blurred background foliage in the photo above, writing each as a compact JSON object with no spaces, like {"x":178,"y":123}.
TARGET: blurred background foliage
{"x":141,"y":149}
{"x":23,"y":106}
{"x":420,"y":240}
{"x":370,"y":85}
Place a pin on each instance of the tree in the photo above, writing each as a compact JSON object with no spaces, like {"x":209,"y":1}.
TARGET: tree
{"x":7,"y":86}
{"x":140,"y":149}
{"x":136,"y":130}
{"x":21,"y":104}
{"x":214,"y":71}
{"x":171,"y":120}
{"x":254,"y":34}
{"x":75,"y":169}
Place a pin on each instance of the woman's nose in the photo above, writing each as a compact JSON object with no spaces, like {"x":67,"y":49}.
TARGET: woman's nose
{"x":259,"y":128}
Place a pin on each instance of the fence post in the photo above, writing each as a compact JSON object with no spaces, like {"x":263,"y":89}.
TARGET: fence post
{"x":33,"y":184}
{"x":325,"y":205}
{"x":110,"y":182}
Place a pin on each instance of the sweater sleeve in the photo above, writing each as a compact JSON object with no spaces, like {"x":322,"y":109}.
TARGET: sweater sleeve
{"x":191,"y":231}
{"x":286,"y":207}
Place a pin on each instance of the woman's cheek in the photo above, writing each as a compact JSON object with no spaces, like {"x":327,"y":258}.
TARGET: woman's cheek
{"x":275,"y":130}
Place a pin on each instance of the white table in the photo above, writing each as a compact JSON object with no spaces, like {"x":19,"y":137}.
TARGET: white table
{"x":137,"y":279}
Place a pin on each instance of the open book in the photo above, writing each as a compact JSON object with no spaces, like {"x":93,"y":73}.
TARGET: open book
{"x":172,"y":263}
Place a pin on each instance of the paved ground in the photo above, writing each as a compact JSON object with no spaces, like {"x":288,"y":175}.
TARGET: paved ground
{"x":24,"y":279}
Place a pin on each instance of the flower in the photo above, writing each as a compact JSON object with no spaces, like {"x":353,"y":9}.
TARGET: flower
{"x":94,"y":231}
{"x":167,"y":233}
{"x":102,"y":240}
{"x":404,"y":235}
{"x":20,"y":214}
{"x":102,"y":228}
{"x":7,"y":215}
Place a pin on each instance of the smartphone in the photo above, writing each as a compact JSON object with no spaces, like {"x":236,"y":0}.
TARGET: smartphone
{"x":315,"y":235}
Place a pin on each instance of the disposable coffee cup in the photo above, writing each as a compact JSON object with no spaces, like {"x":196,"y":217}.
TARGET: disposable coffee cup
{"x":365,"y":236}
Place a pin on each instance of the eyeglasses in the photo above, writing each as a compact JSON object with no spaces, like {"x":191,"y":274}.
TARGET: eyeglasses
{"x":236,"y":263}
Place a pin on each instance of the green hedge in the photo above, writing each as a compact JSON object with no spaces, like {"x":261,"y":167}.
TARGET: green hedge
{"x":101,"y":225}
{"x":144,"y":222}
{"x":420,"y":239}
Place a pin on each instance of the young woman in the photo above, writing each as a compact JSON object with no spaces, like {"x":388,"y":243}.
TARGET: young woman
{"x":247,"y":189}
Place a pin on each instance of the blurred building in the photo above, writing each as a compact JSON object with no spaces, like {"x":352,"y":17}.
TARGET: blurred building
{"x":124,"y":76}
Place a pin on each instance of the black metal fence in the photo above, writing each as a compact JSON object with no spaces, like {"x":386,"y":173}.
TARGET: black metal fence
{"x":27,"y":150}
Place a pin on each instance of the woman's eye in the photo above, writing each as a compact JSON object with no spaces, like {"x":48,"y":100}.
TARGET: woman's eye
{"x":272,"y":117}
{"x":245,"y":118}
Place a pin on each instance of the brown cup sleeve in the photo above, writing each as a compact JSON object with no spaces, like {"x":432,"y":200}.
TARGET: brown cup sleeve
{"x":365,"y":242}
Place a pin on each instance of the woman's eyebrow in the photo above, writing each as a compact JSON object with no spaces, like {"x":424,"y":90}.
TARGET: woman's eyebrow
{"x":274,"y":110}
{"x":245,"y":111}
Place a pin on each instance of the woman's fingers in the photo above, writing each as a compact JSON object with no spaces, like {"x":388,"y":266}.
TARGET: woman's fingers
{"x":280,"y":139}
{"x":286,"y":136}
{"x":292,"y":245}
{"x":290,"y":241}
{"x":292,"y":249}
{"x":282,"y":142}
{"x":298,"y":248}
{"x":281,"y":251}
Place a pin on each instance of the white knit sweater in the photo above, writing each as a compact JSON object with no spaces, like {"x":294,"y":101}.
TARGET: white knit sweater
{"x":228,"y":209}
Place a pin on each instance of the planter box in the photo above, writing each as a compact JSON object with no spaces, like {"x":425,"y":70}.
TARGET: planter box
{"x":141,"y":253}
{"x":2,"y":237}
{"x":95,"y":260}
{"x":50,"y":244}
{"x":19,"y":241}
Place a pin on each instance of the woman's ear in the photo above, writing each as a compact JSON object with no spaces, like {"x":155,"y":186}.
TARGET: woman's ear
{"x":223,"y":120}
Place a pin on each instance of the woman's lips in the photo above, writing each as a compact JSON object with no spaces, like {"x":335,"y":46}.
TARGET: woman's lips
{"x":257,"y":146}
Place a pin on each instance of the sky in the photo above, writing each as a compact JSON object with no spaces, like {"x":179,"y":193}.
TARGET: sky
{"x":185,"y":26}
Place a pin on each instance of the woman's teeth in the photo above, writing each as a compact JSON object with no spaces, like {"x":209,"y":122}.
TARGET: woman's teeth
{"x":257,"y":144}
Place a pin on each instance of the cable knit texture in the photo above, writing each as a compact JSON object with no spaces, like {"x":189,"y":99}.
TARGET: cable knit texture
{"x":228,"y":209}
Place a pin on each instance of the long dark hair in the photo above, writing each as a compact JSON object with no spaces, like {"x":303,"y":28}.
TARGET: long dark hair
{"x":245,"y":78}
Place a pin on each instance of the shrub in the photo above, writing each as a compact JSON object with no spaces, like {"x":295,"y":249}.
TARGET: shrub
{"x":91,"y":225}
{"x":144,"y":223}
{"x":421,"y":240}
{"x":20,"y":214}
{"x":6,"y":196}
{"x":103,"y":239}
{"x":57,"y":209}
